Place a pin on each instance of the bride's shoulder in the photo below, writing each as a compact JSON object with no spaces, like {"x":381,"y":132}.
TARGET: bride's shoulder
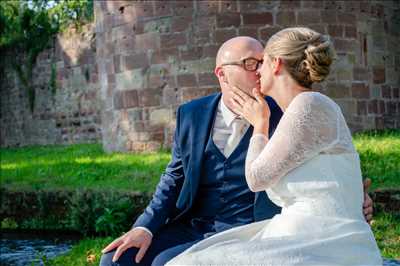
{"x":311,"y":101}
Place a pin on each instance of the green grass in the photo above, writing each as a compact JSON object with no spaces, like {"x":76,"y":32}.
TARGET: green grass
{"x":82,"y":253}
{"x":86,"y":165}
{"x":386,"y":228}
{"x":380,"y":157}
{"x":77,"y":166}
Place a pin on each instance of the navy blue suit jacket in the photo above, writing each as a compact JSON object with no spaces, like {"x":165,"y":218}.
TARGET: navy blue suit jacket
{"x":176,"y":191}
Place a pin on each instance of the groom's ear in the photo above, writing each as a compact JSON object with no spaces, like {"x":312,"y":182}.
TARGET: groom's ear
{"x":219,"y":72}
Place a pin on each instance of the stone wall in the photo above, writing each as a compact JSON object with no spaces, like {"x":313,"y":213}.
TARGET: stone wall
{"x":121,"y":79}
{"x":67,"y":103}
{"x":155,"y":55}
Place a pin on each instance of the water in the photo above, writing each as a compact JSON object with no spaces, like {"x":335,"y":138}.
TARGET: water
{"x":20,"y":249}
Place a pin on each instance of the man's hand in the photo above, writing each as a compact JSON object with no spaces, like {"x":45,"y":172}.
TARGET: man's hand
{"x":367,"y":205}
{"x":136,"y":237}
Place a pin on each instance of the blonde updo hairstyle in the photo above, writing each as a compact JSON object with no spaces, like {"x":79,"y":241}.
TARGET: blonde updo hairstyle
{"x":306,"y":54}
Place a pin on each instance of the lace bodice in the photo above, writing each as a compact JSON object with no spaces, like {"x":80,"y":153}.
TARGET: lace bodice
{"x":312,"y":124}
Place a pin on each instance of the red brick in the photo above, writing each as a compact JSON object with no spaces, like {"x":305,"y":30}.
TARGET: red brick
{"x":192,"y":93}
{"x":267,"y":32}
{"x":202,"y":37}
{"x":222,"y":36}
{"x":379,"y":123}
{"x":149,"y":97}
{"x":360,"y":90}
{"x":228,"y":20}
{"x":210,"y":51}
{"x":135,"y":61}
{"x":286,"y":18}
{"x":191,"y":54}
{"x":162,"y":8}
{"x":182,"y":23}
{"x":378,"y":75}
{"x":173,"y":40}
{"x":264,"y":18}
{"x":227,"y":6}
{"x":396,"y":92}
{"x":386,"y":92}
{"x":337,"y":90}
{"x":208,"y":79}
{"x":381,"y":107}
{"x":117,"y":64}
{"x":207,"y":7}
{"x":147,"y":41}
{"x":373,"y":107}
{"x":391,"y":108}
{"x":130,"y":99}
{"x":187,"y":80}
{"x":328,"y":16}
{"x":346,"y":18}
{"x":249,"y":31}
{"x":352,"y":6}
{"x":161,"y":56}
{"x":308,"y":17}
{"x":290,"y":4}
{"x":360,"y":74}
{"x":335,"y":30}
{"x":350,"y":32}
{"x":312,"y":4}
{"x":344,"y":45}
{"x":361,"y":108}
{"x":144,"y":9}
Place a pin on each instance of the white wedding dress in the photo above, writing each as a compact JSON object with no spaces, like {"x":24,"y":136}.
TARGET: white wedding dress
{"x":311,"y":169}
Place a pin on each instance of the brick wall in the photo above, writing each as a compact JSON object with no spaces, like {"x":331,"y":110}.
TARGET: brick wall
{"x":64,"y":114}
{"x":155,"y":55}
{"x":121,"y":81}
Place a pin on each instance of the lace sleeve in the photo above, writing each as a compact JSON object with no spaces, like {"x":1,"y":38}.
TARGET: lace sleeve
{"x":309,"y":126}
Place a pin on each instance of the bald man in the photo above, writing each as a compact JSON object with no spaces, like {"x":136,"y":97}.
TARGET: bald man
{"x":203,"y":190}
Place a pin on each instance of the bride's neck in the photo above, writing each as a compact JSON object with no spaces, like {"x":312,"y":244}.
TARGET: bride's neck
{"x":285,"y":92}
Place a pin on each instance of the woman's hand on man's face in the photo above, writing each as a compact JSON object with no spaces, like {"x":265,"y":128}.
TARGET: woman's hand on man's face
{"x":252,"y":108}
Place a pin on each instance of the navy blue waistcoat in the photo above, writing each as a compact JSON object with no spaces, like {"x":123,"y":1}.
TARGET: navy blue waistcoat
{"x":224,"y":199}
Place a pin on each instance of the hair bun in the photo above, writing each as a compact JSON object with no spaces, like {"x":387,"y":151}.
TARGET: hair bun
{"x":319,"y":56}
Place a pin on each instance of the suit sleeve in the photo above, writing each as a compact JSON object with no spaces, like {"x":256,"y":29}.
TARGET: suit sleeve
{"x":167,"y":191}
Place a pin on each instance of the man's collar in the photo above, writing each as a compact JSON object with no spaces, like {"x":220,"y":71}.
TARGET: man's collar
{"x":227,"y":114}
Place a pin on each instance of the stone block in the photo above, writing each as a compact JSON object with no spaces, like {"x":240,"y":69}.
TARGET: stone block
{"x":286,"y":18}
{"x":160,"y":116}
{"x":208,"y":79}
{"x":308,"y":17}
{"x":135,"y":61}
{"x":131,"y":79}
{"x":147,"y":41}
{"x":222,"y":35}
{"x":360,"y":90}
{"x":264,"y":18}
{"x":181,"y":23}
{"x":150,"y":97}
{"x":227,"y":6}
{"x":335,"y":30}
{"x":386,"y":92}
{"x":251,"y":31}
{"x":378,"y":74}
{"x":338,"y":90}
{"x":173,"y":40}
{"x":187,"y":80}
{"x":228,"y":20}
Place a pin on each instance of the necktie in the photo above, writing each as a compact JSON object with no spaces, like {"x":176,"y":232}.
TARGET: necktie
{"x":234,"y":139}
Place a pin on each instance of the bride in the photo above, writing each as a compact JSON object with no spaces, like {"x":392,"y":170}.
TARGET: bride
{"x":309,"y":167}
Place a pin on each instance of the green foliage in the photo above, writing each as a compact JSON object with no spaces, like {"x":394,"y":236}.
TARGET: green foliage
{"x":28,"y":27}
{"x":85,"y":211}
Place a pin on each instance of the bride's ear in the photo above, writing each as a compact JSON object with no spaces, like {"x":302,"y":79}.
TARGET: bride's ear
{"x":277,"y":65}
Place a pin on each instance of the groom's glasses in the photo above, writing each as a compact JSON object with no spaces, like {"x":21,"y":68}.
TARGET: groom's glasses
{"x":249,"y":64}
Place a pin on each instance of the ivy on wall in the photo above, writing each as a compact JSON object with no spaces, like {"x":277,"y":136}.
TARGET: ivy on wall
{"x":28,"y":27}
